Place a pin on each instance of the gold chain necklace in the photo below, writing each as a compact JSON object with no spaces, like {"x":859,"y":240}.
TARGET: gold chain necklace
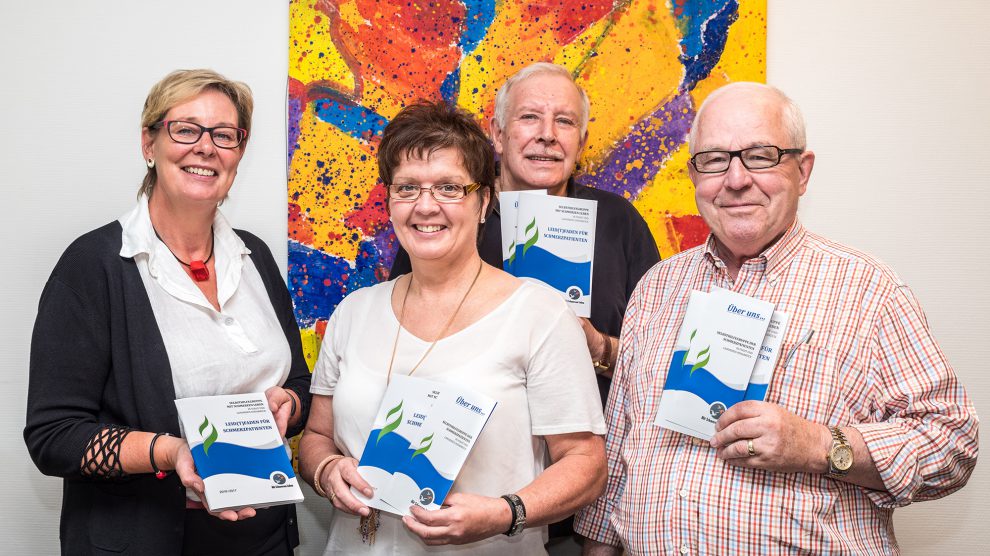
{"x":402,"y":313}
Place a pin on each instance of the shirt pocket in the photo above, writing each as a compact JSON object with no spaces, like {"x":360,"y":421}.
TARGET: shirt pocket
{"x":806,"y":385}
{"x":111,"y":518}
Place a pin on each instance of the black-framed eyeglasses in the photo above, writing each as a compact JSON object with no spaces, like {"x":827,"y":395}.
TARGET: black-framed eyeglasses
{"x":753,"y":158}
{"x":442,"y":192}
{"x":187,"y":133}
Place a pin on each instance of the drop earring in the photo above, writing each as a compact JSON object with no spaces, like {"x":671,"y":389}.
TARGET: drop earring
{"x":151,"y":163}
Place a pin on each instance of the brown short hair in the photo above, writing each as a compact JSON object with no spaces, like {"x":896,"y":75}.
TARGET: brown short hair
{"x":426,"y":127}
{"x":182,"y":85}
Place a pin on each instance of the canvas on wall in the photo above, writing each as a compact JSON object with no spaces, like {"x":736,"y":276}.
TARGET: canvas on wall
{"x":353,"y":64}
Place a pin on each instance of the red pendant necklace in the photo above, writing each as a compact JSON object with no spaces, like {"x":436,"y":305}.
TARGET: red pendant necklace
{"x":198,"y":268}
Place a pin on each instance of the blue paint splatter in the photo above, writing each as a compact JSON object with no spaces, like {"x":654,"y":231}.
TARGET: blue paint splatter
{"x":319,"y":282}
{"x":344,"y":114}
{"x":451,"y":86}
{"x":478,"y":17}
{"x":705,"y":28}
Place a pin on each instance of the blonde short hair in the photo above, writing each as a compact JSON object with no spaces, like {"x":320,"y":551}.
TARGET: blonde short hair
{"x":182,"y":85}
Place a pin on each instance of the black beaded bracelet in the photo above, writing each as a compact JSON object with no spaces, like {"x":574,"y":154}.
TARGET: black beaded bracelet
{"x":293,"y":400}
{"x":159,"y":474}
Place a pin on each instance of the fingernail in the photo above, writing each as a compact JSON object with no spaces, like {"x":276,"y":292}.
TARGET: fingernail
{"x":368,"y":492}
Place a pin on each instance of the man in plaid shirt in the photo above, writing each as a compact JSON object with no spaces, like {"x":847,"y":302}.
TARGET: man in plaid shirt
{"x":863,"y":414}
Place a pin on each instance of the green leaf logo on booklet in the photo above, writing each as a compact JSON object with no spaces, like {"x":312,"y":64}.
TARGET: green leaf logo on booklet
{"x":531,"y":241}
{"x":424,"y":445}
{"x":208,"y":440}
{"x":391,"y":425}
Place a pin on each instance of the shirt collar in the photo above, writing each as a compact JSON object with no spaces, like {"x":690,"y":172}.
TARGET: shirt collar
{"x":138,"y":237}
{"x":773,"y":259}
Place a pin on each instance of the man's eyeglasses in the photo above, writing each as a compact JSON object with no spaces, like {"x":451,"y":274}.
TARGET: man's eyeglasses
{"x":442,"y":192}
{"x":753,"y":158}
{"x":189,"y":133}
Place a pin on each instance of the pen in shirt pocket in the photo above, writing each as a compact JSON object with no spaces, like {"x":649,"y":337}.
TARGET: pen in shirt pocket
{"x":805,"y":338}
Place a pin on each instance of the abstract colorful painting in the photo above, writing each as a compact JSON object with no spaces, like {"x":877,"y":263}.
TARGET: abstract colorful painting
{"x":353,"y":64}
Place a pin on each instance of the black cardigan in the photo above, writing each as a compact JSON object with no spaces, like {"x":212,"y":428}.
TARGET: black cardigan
{"x":97,"y":357}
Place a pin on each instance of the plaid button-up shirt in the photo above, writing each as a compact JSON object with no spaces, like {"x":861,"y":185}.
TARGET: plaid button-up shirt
{"x":872,"y":364}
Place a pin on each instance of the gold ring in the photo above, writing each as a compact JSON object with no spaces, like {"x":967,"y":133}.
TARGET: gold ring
{"x":333,"y":495}
{"x":749,"y":446}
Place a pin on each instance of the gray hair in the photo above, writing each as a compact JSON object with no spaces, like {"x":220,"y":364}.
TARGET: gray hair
{"x":790,"y":112}
{"x":532,"y":70}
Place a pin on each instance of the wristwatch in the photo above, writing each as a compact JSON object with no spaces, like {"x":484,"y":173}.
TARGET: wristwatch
{"x":518,"y":514}
{"x":840,"y":454}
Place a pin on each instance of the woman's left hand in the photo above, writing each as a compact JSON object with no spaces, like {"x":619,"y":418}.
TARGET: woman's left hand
{"x":280,"y":402}
{"x":182,"y":461}
{"x":464,"y":518}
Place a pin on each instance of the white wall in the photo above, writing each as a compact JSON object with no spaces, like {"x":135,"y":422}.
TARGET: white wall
{"x":894,"y":92}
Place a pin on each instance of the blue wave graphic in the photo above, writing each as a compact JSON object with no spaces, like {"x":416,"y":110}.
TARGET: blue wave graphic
{"x":394,"y":454}
{"x":756,"y":392}
{"x":701,"y":383}
{"x":559,"y":273}
{"x":231,"y":458}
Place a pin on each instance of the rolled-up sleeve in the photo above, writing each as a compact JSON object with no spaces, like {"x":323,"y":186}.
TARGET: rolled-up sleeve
{"x":924,"y":441}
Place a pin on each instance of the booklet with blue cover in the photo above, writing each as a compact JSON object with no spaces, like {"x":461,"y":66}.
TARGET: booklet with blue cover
{"x":420,"y":439}
{"x":508,"y":206}
{"x":725,"y":352}
{"x":238,"y":451}
{"x":554,"y":243}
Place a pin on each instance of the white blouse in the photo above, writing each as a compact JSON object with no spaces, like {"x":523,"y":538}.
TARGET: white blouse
{"x":239,"y":349}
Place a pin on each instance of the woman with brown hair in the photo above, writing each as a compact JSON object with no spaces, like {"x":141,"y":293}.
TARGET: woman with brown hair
{"x":456,"y":320}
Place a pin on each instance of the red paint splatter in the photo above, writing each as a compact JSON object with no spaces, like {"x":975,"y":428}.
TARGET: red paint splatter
{"x":407,"y":48}
{"x":300,"y":225}
{"x":691,"y":228}
{"x":566,"y":18}
{"x":297,"y":89}
{"x":370,"y":217}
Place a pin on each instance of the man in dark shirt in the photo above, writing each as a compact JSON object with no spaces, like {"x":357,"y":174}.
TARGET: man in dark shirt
{"x":539,"y":129}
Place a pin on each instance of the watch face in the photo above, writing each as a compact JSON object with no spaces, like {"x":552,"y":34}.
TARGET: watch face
{"x":842,"y":457}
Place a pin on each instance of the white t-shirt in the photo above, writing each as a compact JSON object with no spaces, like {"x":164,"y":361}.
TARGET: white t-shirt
{"x":529,"y":353}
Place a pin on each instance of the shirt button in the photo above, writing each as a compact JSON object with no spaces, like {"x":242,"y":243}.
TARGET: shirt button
{"x":228,"y":321}
{"x":684,"y":549}
{"x":683,"y":493}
